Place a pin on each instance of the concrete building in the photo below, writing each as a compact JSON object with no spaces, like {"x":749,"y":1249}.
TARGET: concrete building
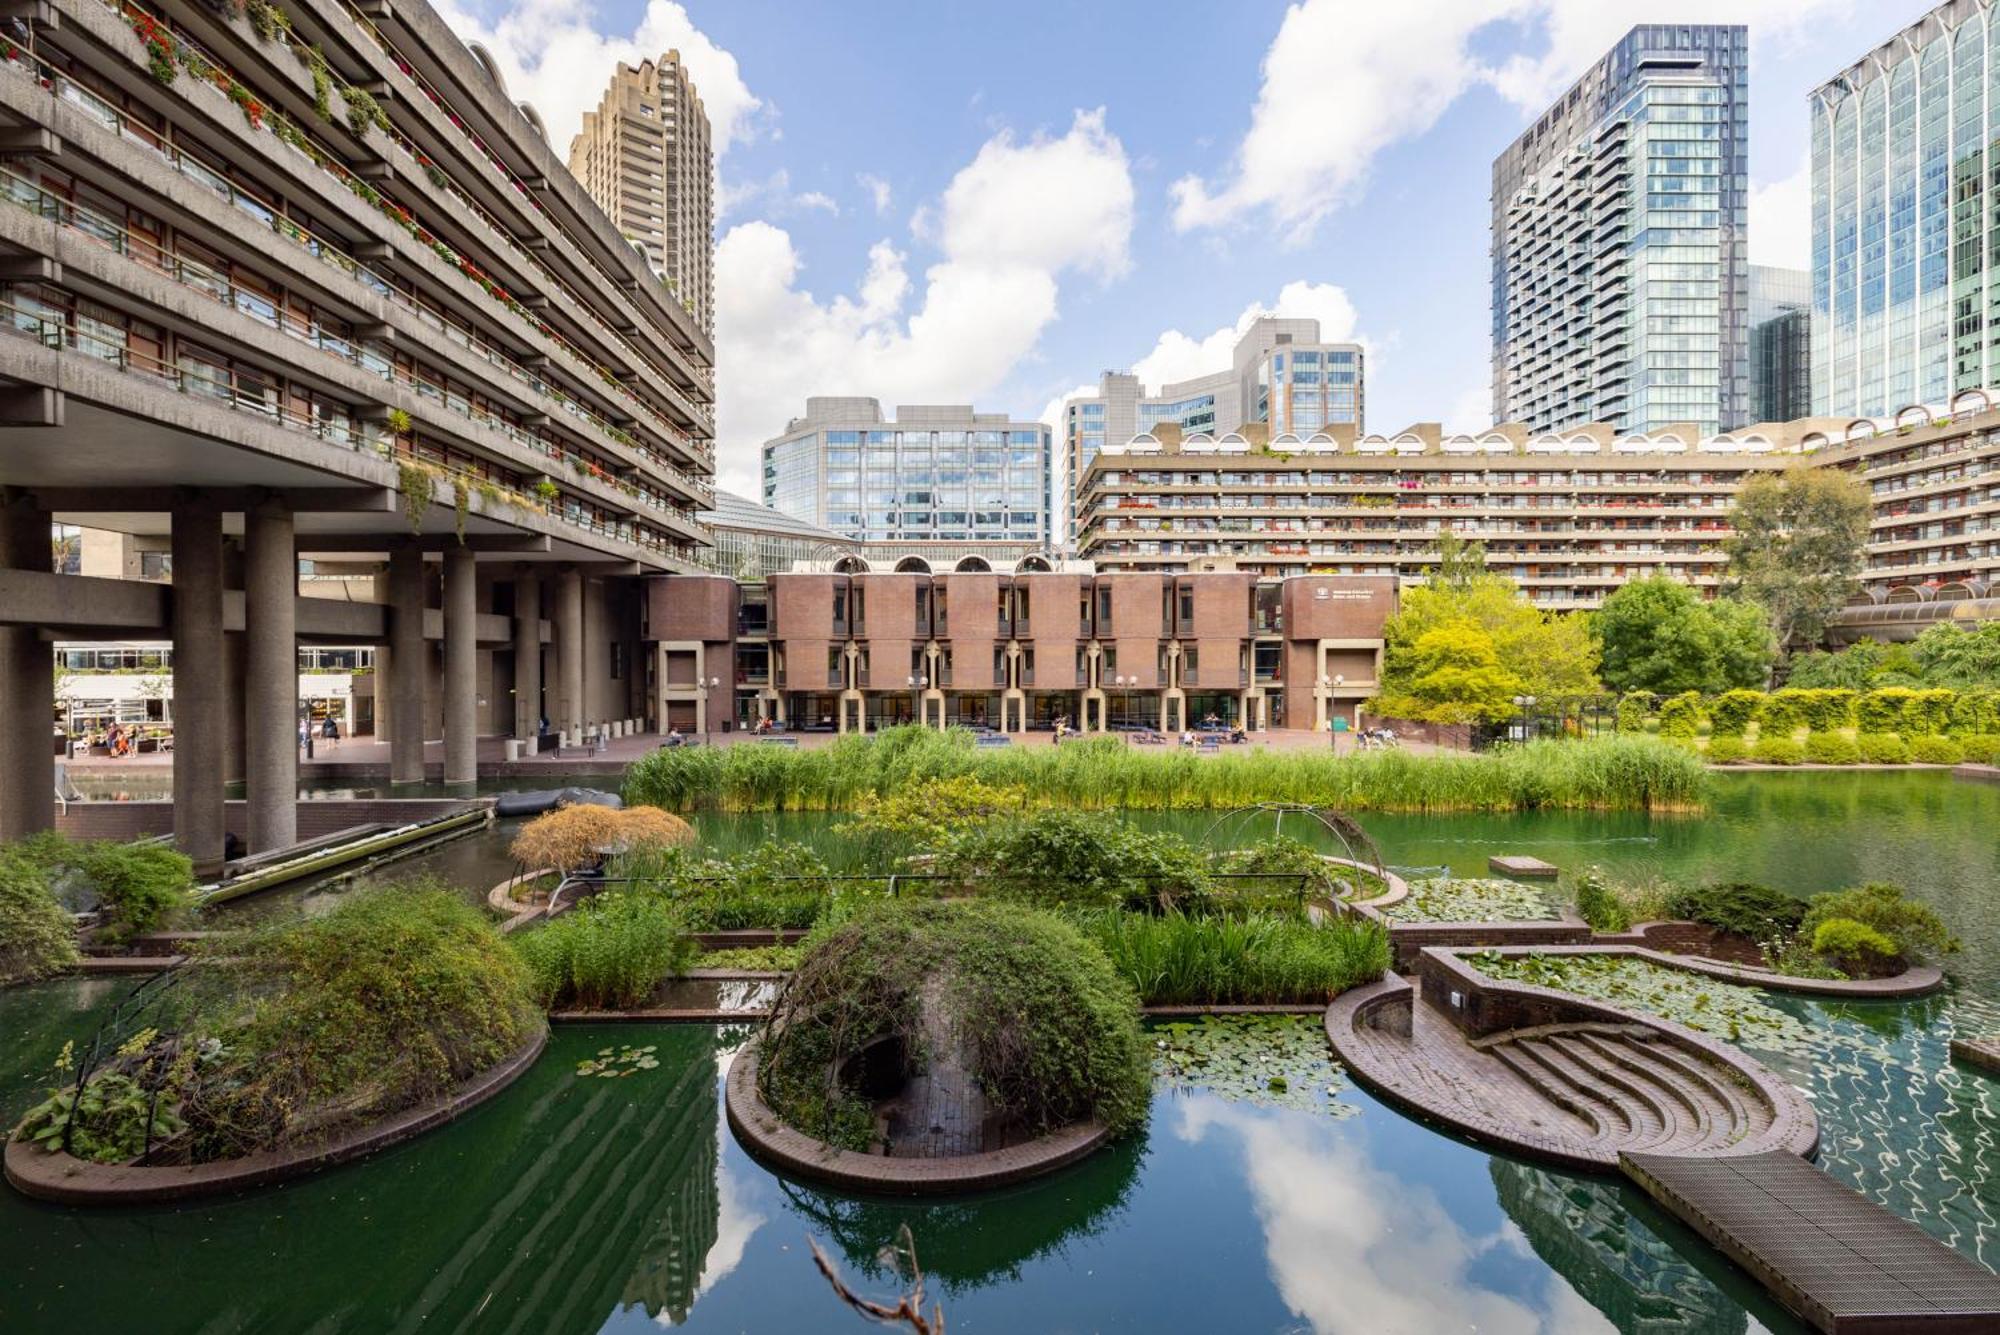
{"x":1780,"y":344}
{"x":356,"y":313}
{"x":1902,"y":208}
{"x":1620,"y":242}
{"x":928,"y":474}
{"x":846,"y":646}
{"x":644,"y":156}
{"x":1280,"y":374}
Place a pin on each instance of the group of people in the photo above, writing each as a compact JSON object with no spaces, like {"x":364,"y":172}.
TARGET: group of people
{"x":1377,"y":739}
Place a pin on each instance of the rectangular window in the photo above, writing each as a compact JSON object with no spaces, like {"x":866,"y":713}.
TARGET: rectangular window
{"x":617,"y":660}
{"x":1190,"y":665}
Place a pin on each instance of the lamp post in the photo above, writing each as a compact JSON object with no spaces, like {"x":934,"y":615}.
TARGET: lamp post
{"x":1118,"y":680}
{"x":708,"y":711}
{"x":919,"y":683}
{"x":1526,"y":704}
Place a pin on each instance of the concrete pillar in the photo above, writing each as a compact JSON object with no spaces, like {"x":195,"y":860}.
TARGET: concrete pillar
{"x":461,"y":686}
{"x":527,"y":653}
{"x":569,"y":653}
{"x":235,"y":653}
{"x":271,"y":676}
{"x":406,"y":665}
{"x":201,"y":706}
{"x":27,"y":685}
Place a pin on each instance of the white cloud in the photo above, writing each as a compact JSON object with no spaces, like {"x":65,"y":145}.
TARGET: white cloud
{"x":817,"y":200}
{"x":878,"y":191}
{"x":1343,"y":81}
{"x":984,"y":305}
{"x":1781,"y":220}
{"x":771,"y":197}
{"x":1179,"y":356}
{"x":552,"y":56}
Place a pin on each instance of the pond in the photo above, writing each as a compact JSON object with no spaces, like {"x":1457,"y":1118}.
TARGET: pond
{"x":579,"y":1204}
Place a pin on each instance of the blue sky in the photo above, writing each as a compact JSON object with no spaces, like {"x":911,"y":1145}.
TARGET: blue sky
{"x":952,"y":203}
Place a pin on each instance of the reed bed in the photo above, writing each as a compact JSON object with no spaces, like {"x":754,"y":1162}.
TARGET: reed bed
{"x":1178,"y":959}
{"x":1621,"y":773}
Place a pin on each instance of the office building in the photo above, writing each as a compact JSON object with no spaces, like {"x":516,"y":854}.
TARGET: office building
{"x":1780,"y":343}
{"x":1619,"y":244}
{"x":261,"y":332}
{"x":1280,"y":374}
{"x":644,"y":156}
{"x":927,"y":474}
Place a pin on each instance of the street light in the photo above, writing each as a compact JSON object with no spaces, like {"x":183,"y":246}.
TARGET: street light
{"x":708,"y":711}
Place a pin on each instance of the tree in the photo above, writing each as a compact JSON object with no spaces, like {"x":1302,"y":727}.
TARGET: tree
{"x":1950,"y":655}
{"x":1551,"y":653}
{"x":1453,"y":676}
{"x":1796,"y":548}
{"x":1861,"y":666}
{"x":1658,"y":635}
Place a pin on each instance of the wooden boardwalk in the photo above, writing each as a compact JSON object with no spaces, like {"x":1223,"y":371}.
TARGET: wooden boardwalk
{"x":1835,"y":1258}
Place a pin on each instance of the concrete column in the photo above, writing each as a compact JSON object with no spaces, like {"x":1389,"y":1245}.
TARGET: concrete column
{"x":27,"y":685}
{"x":201,"y":730}
{"x":406,"y":665}
{"x":527,"y":653}
{"x":461,"y":693}
{"x":271,"y":676}
{"x":235,"y":653}
{"x":569,"y":653}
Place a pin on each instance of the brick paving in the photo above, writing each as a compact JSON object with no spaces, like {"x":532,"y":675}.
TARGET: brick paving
{"x":1983,"y":1053}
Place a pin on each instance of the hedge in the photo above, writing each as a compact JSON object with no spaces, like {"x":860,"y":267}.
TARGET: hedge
{"x":1732,"y":711}
{"x":1681,"y":716}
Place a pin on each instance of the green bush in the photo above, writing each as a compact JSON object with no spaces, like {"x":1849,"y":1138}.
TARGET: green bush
{"x":1913,"y":926}
{"x":1744,"y":908}
{"x":1784,"y":713}
{"x":1725,"y":750}
{"x":1597,"y":905}
{"x":1881,"y":710}
{"x":1295,"y":869}
{"x":1778,"y":751}
{"x":139,"y":887}
{"x":1176,"y":959}
{"x":774,"y":884}
{"x":921,"y":814}
{"x":610,"y":952}
{"x":1976,"y":712}
{"x":1982,"y":748}
{"x":1830,"y":709}
{"x":1062,"y":858}
{"x":1050,"y":1030}
{"x":1882,"y":748}
{"x":37,"y":938}
{"x":1933,"y":750}
{"x":1732,"y":711}
{"x":1634,"y":708}
{"x":1681,"y":715}
{"x":1928,"y":712}
{"x":1858,"y":949}
{"x":1831,"y":748}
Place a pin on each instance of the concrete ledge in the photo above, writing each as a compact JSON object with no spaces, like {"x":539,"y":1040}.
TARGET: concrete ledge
{"x":71,"y":1181}
{"x":1981,"y":1053}
{"x":1985,"y":773}
{"x":768,"y":1138}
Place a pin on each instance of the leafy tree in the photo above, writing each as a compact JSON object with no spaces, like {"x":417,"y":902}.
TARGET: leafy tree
{"x":1862,"y":666}
{"x":1452,"y":674}
{"x":1950,"y":655}
{"x":1658,"y":635}
{"x":1551,"y":653}
{"x":1797,"y":547}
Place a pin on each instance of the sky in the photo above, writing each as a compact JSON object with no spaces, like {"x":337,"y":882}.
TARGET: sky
{"x":991,"y":204}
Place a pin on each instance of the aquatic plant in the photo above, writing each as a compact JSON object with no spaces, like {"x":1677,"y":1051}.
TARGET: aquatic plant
{"x":1279,"y":1061}
{"x":1181,"y":959}
{"x":1610,"y":773}
{"x":1471,"y":899}
{"x":1061,"y":858}
{"x":610,"y":952}
{"x":1739,"y":1014}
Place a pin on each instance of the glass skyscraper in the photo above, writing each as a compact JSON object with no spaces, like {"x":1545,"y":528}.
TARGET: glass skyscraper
{"x":928,"y":474}
{"x":1903,"y":216}
{"x":1620,"y":242}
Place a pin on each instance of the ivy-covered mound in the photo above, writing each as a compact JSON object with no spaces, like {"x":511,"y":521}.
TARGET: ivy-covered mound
{"x":1047,"y":1032}
{"x":287,"y":1035}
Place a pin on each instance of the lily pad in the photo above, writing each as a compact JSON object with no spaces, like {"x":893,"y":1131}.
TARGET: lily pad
{"x":1280,"y":1061}
{"x":1472,"y":899}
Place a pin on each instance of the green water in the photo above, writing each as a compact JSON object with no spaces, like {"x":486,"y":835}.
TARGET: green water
{"x":585,"y":1205}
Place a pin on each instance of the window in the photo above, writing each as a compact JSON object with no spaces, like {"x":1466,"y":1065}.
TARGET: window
{"x":617,"y":660}
{"x":1190,"y":665}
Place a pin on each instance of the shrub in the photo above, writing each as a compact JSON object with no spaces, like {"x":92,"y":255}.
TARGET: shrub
{"x":1681,"y":715}
{"x":1858,"y":949}
{"x":610,"y":952}
{"x":1932,"y":750}
{"x":1597,"y":905}
{"x":1059,"y":858}
{"x":1915,"y":927}
{"x":36,"y":935}
{"x":1045,"y":1024}
{"x":1928,"y":712}
{"x":1725,"y":750}
{"x":1634,"y":708}
{"x":1731,"y":712}
{"x":576,"y":836}
{"x":1784,"y":713}
{"x":1882,"y":748}
{"x":1982,"y":748}
{"x":1744,"y":908}
{"x":1831,"y":748}
{"x":923,"y":813}
{"x":138,"y":887}
{"x":774,"y":884}
{"x":1976,"y":712}
{"x":1830,"y":709}
{"x":1174,"y":958}
{"x":1778,"y":751}
{"x":1295,"y":868}
{"x":1881,"y":710}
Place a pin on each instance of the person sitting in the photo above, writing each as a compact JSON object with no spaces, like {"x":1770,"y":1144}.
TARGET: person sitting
{"x":674,"y":737}
{"x":1187,"y":738}
{"x":1236,"y":733}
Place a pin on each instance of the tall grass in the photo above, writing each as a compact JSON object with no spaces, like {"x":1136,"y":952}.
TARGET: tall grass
{"x":1607,"y":773}
{"x":1174,"y":959}
{"x":611,"y":951}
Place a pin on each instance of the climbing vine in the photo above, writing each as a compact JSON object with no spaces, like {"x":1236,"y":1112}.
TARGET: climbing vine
{"x":461,"y":503}
{"x":418,"y":487}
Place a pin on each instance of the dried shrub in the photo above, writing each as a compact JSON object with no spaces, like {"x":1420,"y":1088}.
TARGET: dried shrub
{"x":575,"y":836}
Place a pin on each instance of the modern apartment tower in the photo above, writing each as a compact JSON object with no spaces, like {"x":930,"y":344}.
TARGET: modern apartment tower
{"x":928,"y":474}
{"x":1620,"y":242}
{"x":1903,"y":209}
{"x":1280,"y":373}
{"x":644,"y":156}
{"x":1780,"y":343}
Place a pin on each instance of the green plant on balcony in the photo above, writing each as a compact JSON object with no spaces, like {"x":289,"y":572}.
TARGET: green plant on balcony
{"x":399,"y":422}
{"x":461,"y":505}
{"x":418,"y":486}
{"x":314,"y":60}
{"x":547,"y":491}
{"x":363,"y":111}
{"x":267,"y":20}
